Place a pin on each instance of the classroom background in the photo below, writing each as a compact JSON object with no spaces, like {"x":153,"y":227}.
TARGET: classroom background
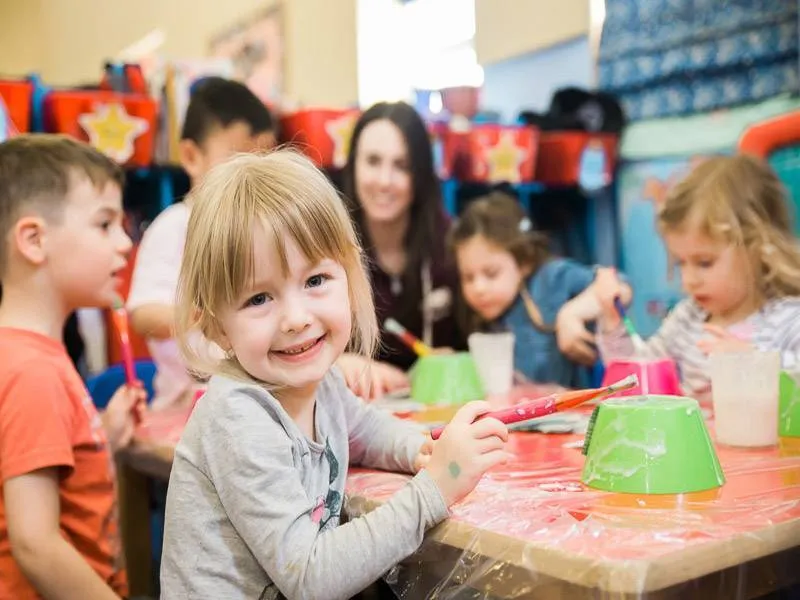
{"x":587,"y":110}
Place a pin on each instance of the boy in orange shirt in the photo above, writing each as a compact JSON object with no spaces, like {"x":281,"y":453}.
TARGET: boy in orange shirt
{"x":62,"y":246}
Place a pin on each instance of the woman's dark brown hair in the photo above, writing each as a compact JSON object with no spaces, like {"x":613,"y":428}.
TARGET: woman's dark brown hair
{"x":427,"y":219}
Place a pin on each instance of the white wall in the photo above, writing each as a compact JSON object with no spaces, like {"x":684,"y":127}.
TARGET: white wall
{"x":528,"y":81}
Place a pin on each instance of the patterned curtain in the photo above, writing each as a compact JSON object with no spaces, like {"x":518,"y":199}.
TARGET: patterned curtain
{"x":675,"y":57}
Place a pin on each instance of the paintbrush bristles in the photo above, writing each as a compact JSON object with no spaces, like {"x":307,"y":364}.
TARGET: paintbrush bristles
{"x":393,"y":326}
{"x":624,"y":384}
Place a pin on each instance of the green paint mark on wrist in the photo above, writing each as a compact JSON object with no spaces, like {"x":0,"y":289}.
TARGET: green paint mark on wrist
{"x":454,"y":469}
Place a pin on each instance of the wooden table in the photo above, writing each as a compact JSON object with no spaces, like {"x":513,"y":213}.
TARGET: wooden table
{"x":531,"y":530}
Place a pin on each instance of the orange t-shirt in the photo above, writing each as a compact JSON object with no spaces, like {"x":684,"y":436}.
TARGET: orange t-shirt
{"x":47,"y":419}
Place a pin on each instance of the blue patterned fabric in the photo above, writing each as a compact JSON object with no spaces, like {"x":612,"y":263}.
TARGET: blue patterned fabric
{"x":675,"y":57}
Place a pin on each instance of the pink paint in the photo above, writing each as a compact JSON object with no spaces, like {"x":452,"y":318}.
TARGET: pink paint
{"x":319,"y":510}
{"x":656,"y":376}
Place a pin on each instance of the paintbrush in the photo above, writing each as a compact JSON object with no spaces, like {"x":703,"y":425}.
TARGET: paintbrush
{"x":119,"y":316}
{"x":547,"y":405}
{"x":408,"y":338}
{"x":639,"y":347}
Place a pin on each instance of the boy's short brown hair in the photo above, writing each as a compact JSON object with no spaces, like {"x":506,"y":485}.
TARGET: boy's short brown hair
{"x":39,"y":170}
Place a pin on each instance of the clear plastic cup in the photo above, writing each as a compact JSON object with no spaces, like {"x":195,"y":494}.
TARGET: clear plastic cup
{"x":744,"y":390}
{"x":494,"y":357}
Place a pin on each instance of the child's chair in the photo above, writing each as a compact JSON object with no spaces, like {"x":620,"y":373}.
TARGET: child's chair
{"x":101,"y":387}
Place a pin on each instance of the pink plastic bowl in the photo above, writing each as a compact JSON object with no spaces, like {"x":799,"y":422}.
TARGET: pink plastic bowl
{"x":656,"y":376}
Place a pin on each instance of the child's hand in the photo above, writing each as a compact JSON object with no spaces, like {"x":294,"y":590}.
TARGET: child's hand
{"x":607,"y":287}
{"x":127,"y":404}
{"x":575,"y":341}
{"x":371,"y":379}
{"x":721,"y":340}
{"x":443,"y":350}
{"x":466,"y":451}
{"x":424,"y":455}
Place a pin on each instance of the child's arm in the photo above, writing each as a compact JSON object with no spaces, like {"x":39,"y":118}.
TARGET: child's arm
{"x":261,"y":492}
{"x":789,"y":334}
{"x":587,"y":303}
{"x":378,"y":439}
{"x":154,"y":320}
{"x":50,"y":563}
{"x":614,"y":342}
{"x":155,"y":276}
{"x":370,"y":379}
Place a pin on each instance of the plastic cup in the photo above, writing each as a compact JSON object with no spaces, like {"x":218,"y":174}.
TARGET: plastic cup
{"x":656,"y":376}
{"x":650,"y":445}
{"x":744,"y":391}
{"x":446,"y":379}
{"x":789,"y":405}
{"x":494,"y":357}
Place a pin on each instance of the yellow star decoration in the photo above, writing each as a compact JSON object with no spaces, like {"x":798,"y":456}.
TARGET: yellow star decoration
{"x":341,"y":132}
{"x":504,"y":159}
{"x":112,"y":130}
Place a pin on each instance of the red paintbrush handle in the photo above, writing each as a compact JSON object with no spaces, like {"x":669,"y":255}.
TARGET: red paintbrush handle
{"x":515,"y":414}
{"x":120,"y":317}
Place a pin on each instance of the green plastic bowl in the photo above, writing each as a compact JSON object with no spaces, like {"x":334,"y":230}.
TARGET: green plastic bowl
{"x":650,"y":445}
{"x":446,"y":379}
{"x":789,"y":405}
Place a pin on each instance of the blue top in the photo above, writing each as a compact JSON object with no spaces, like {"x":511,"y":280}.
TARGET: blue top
{"x":536,"y":352}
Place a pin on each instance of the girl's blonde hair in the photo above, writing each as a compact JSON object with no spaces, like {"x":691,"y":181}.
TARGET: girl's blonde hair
{"x":290,"y":198}
{"x":739,"y":200}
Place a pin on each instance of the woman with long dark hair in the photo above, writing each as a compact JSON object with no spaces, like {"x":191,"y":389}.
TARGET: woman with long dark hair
{"x":394,"y":197}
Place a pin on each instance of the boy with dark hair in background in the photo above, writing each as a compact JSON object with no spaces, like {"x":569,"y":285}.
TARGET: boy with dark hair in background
{"x":223,"y":118}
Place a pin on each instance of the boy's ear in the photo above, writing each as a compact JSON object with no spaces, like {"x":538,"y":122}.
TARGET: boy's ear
{"x":28,"y":238}
{"x":192,"y":158}
{"x":266,"y":141}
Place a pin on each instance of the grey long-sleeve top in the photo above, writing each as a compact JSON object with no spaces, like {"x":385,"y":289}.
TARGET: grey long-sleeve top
{"x":253,"y":506}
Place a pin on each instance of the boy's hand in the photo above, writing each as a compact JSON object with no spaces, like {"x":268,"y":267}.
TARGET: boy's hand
{"x":371,"y":379}
{"x":424,"y":455}
{"x":466,"y":451}
{"x":721,"y":340}
{"x":124,"y":410}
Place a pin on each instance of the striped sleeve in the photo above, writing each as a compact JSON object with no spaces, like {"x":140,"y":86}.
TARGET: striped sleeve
{"x":780,"y":330}
{"x":670,"y":341}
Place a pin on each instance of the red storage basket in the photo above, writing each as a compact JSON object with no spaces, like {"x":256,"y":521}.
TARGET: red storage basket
{"x":560,"y":154}
{"x":322,"y":134}
{"x":17,"y":98}
{"x":499,"y":153}
{"x":450,"y":150}
{"x":120,"y":125}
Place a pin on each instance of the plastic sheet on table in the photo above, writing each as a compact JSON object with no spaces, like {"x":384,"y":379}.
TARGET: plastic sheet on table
{"x":532,"y":530}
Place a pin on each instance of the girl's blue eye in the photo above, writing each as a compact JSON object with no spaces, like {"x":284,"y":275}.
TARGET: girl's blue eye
{"x":257,"y":300}
{"x":316,"y":280}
